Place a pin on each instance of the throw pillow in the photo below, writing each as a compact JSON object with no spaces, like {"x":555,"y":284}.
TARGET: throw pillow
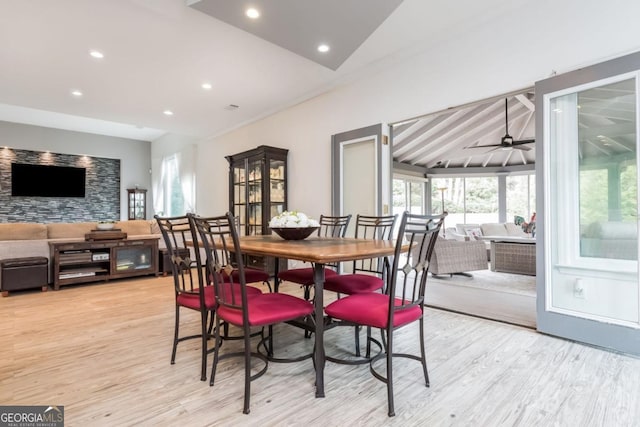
{"x":476,"y":233}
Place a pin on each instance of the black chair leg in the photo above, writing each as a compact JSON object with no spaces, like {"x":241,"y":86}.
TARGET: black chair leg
{"x":307,"y":297}
{"x":210,"y":329}
{"x":269,"y":285}
{"x":423,"y":356}
{"x":175,"y":336}
{"x":216,"y":350}
{"x":205,"y":336}
{"x":247,"y":370}
{"x":357,"y":339}
{"x":390,"y":375}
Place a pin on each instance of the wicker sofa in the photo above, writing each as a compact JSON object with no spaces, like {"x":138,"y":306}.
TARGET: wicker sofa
{"x":453,"y":256}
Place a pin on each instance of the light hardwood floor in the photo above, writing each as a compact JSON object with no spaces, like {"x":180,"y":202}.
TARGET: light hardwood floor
{"x":102,"y":351}
{"x":487,"y":303}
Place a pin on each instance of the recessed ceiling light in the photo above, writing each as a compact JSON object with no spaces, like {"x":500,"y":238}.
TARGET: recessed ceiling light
{"x":96,"y":54}
{"x":323,"y":48}
{"x":252,"y":13}
{"x":168,"y":113}
{"x":76,"y":93}
{"x":206,"y":86}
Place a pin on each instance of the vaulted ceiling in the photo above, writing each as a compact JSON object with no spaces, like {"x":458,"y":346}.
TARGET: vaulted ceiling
{"x":470,"y":135}
{"x":159,"y":53}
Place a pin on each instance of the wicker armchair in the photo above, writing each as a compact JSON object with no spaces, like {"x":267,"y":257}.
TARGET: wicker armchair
{"x":453,"y":256}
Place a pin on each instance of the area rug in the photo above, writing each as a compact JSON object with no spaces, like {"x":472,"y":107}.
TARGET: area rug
{"x":487,"y":279}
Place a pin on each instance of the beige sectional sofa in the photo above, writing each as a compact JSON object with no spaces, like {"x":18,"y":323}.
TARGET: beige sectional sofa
{"x":469,"y":231}
{"x":22,"y":240}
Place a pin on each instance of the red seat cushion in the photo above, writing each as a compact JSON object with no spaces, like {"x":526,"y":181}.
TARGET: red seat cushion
{"x":192,"y":300}
{"x":268,"y":309}
{"x":303,"y":276}
{"x":371,"y":309}
{"x":350,"y":284}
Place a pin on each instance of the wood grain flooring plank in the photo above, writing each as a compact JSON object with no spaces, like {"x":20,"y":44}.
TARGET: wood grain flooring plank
{"x":103,"y":351}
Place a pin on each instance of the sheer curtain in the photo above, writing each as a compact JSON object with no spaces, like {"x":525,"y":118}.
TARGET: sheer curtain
{"x":174,"y":188}
{"x":186,"y":165}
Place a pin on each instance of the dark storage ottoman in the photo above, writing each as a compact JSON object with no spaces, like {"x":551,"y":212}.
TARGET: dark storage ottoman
{"x":164,"y":265}
{"x":23,"y":273}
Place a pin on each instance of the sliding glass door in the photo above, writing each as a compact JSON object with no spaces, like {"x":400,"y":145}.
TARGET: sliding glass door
{"x":589,"y":287}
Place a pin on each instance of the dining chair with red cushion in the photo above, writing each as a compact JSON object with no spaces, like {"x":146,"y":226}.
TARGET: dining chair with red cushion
{"x":191,"y":292}
{"x":251,"y":274}
{"x":192,"y":289}
{"x":366,"y":275}
{"x":235,"y":306}
{"x":402,"y":303}
{"x":330,"y":226}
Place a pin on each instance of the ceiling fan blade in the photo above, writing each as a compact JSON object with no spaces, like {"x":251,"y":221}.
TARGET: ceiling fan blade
{"x":482,"y":146}
{"x":521,"y":147}
{"x":524,"y":141}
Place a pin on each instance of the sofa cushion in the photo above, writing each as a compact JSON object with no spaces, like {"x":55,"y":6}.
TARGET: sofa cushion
{"x":135,"y":227}
{"x":155,"y":228}
{"x":494,"y":229}
{"x":462,"y":228}
{"x":68,"y":230}
{"x":515,"y":230}
{"x":23,"y":231}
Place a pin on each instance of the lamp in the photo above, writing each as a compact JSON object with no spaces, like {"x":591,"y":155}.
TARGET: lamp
{"x":442,"y":190}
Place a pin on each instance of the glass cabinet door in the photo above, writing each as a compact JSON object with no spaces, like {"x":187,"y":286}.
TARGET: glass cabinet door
{"x":239,"y":193}
{"x":128,"y":259}
{"x":277,"y":174}
{"x":137,"y":203}
{"x":254,"y":207}
{"x":258,"y":188}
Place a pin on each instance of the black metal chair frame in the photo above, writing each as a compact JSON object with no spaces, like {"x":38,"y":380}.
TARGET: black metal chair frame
{"x":369,"y":227}
{"x":219,"y":238}
{"x":330,"y":226}
{"x":407,"y":282}
{"x":176,"y":232}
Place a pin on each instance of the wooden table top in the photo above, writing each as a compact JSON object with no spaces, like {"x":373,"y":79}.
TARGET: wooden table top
{"x":320,"y":250}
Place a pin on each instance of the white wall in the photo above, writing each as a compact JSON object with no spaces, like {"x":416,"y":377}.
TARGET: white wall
{"x":510,"y":53}
{"x":135,"y":156}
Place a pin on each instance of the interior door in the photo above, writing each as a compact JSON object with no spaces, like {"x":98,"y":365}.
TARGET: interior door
{"x":361,"y":171}
{"x":588,"y":186}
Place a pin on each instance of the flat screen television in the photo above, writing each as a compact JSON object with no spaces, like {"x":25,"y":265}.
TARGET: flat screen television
{"x":47,"y":181}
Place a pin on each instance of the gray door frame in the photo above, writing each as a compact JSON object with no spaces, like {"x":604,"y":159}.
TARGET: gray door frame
{"x":380,"y":134}
{"x":601,"y":334}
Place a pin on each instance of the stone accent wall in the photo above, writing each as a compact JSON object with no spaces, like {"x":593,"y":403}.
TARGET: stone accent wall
{"x":102,"y":192}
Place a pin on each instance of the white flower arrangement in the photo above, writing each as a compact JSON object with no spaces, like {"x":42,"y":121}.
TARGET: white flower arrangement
{"x":292,"y":219}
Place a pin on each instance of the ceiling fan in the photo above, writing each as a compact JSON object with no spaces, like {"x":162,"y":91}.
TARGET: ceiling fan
{"x":507,"y":142}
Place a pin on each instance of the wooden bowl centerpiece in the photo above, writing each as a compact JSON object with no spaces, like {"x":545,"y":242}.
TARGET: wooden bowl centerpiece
{"x":293,"y":225}
{"x":294,"y":233}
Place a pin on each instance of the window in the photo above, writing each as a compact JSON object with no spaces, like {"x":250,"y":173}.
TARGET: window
{"x":408,"y":195}
{"x":175,"y":190}
{"x":481,"y":199}
{"x":521,"y":196}
{"x":468,"y":200}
